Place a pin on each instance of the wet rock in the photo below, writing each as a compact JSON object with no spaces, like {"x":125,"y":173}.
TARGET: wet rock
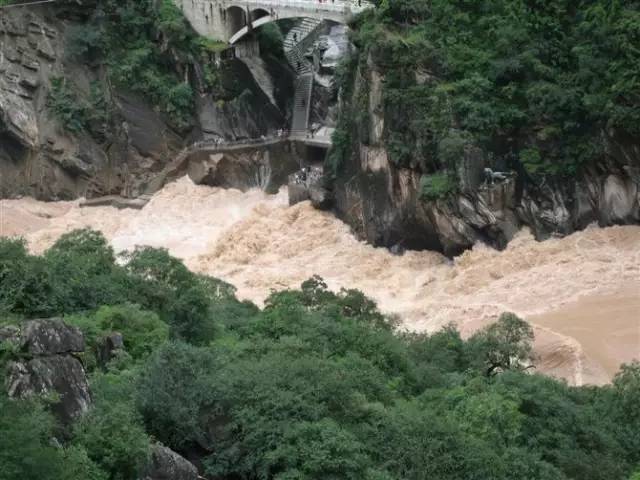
{"x":382,"y":201}
{"x":320,"y":197}
{"x":117,"y":201}
{"x":242,"y":167}
{"x":307,"y":184}
{"x":166,"y":464}
{"x":619,"y":199}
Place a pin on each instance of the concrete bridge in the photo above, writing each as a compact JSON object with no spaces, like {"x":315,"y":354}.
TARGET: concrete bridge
{"x":231,"y":20}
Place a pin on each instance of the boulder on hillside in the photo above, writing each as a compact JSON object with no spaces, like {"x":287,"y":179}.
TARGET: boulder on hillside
{"x":60,"y":375}
{"x":109,"y":347}
{"x":165,"y":464}
{"x":50,"y":336}
{"x":10,"y":333}
{"x":48,"y":366}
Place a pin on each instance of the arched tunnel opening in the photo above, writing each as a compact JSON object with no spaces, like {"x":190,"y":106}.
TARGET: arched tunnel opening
{"x":236,"y":19}
{"x":258,"y":13}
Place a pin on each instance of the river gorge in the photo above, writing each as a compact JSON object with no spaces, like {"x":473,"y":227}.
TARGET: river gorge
{"x":581,"y":292}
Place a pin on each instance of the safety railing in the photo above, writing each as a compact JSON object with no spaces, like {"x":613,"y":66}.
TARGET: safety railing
{"x":339,"y":6}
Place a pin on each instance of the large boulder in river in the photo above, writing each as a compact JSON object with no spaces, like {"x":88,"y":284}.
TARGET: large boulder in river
{"x":166,"y":464}
{"x":48,"y":366}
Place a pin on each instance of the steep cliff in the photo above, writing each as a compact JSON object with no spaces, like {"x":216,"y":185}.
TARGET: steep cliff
{"x":429,"y":104}
{"x":94,"y":102}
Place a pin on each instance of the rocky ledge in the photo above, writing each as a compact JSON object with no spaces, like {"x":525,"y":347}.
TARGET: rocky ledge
{"x":46,"y":364}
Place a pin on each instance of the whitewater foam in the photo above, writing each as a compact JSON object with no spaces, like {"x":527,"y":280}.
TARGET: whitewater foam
{"x":258,"y":243}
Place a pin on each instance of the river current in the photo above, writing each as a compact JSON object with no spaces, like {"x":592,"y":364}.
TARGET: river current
{"x":581,"y":292}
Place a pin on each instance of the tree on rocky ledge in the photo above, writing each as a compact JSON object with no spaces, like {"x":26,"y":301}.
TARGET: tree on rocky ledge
{"x":504,"y":345}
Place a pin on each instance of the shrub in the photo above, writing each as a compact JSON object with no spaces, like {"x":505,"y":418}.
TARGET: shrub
{"x":112,"y":433}
{"x":437,"y":185}
{"x":26,"y":450}
{"x":66,"y":106}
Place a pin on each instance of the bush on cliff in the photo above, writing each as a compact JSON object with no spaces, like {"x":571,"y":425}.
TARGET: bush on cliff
{"x":554,"y":77}
{"x":145,"y":46}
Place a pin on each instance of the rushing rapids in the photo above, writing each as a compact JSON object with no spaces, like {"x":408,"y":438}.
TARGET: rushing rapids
{"x":581,"y":292}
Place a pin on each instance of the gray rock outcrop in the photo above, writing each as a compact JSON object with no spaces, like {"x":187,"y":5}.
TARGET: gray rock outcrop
{"x":382,"y":201}
{"x":165,"y":464}
{"x":243,"y":168}
{"x":50,"y":337}
{"x":126,"y":156}
{"x":109,"y":347}
{"x":307,"y":184}
{"x":47,"y":365}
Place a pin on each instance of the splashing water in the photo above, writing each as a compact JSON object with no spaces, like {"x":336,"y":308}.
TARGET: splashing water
{"x":262,"y":176}
{"x":258,"y":243}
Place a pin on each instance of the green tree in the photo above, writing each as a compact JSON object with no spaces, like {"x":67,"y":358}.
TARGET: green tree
{"x":164,"y":284}
{"x":504,"y":345}
{"x":26,"y":449}
{"x":175,"y":394}
{"x":83,"y":272}
{"x":111,"y":433}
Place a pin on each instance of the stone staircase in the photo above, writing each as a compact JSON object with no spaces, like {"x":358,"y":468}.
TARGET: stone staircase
{"x":298,"y":40}
{"x":301,"y":101}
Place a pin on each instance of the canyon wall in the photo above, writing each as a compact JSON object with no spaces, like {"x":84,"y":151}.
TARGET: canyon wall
{"x":125,"y":150}
{"x":384,"y":204}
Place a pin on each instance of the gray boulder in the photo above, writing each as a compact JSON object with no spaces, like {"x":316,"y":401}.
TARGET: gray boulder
{"x":109,"y":348}
{"x":61,"y":376}
{"x":51,"y":336}
{"x":320,"y":197}
{"x":10,"y":333}
{"x":165,"y":464}
{"x":48,"y":366}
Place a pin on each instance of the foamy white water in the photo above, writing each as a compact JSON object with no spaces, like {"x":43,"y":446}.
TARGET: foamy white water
{"x":258,"y":243}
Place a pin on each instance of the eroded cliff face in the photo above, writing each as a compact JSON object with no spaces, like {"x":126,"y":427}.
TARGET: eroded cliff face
{"x":383,"y":204}
{"x":37,"y":156}
{"x":127,"y":156}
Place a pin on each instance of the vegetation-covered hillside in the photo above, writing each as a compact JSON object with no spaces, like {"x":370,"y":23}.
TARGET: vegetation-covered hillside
{"x":317,"y":385}
{"x":538,"y":85}
{"x":145,"y":47}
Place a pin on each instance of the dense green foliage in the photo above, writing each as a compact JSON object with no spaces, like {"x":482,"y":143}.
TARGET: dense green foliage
{"x":26,"y":450}
{"x":77,"y":114}
{"x":317,"y":385}
{"x":537,"y":85}
{"x":437,"y":185}
{"x":145,"y":47}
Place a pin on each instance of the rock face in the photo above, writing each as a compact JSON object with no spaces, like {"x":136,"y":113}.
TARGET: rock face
{"x":48,"y":366}
{"x":382,"y":201}
{"x":50,"y":337}
{"x":266,"y":167}
{"x":168,"y":465}
{"x":38,"y":157}
{"x":308,"y":184}
{"x":109,"y":348}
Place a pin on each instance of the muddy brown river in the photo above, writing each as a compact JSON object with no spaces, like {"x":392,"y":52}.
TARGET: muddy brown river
{"x":581,"y":292}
